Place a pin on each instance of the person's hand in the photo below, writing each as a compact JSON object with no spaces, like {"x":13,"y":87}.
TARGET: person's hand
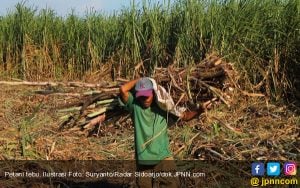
{"x":188,"y":115}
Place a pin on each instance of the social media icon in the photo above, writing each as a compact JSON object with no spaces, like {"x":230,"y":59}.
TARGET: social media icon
{"x":258,"y":169}
{"x":290,"y":168}
{"x":273,"y":169}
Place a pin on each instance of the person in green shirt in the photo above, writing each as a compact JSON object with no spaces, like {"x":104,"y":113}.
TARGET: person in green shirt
{"x":152,"y":150}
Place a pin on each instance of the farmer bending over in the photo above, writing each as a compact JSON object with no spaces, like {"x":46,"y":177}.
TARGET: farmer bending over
{"x":152,"y":151}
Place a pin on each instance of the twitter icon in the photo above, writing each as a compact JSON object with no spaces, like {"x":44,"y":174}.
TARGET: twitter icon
{"x":273,"y":169}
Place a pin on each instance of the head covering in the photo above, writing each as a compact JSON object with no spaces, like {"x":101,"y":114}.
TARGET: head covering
{"x":144,"y":87}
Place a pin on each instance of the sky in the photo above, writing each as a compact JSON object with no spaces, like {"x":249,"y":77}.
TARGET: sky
{"x":64,"y":7}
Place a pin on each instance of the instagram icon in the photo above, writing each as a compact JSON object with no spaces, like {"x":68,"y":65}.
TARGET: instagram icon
{"x":290,"y":168}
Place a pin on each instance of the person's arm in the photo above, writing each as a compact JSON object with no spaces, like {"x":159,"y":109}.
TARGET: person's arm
{"x":124,"y":90}
{"x":188,"y":115}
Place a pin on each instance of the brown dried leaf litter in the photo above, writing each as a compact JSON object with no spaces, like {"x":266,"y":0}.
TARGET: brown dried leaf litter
{"x":243,"y":125}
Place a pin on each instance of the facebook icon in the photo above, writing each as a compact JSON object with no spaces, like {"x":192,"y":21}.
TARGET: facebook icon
{"x":258,"y":169}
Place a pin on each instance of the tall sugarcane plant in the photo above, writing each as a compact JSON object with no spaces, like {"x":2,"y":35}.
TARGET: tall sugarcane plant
{"x":261,"y":37}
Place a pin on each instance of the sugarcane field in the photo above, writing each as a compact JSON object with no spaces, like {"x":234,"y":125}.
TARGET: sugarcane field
{"x":62,"y":81}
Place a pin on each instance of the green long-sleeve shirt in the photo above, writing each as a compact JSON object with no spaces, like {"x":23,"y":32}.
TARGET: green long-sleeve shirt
{"x":150,"y":129}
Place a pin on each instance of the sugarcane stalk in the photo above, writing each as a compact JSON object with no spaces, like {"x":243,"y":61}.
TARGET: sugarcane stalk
{"x":69,"y":84}
{"x":72,"y":109}
{"x":107,"y":101}
{"x":91,"y":92}
{"x":100,"y":111}
{"x":65,"y":117}
{"x":188,"y":86}
{"x":95,"y":121}
{"x":216,"y":92}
